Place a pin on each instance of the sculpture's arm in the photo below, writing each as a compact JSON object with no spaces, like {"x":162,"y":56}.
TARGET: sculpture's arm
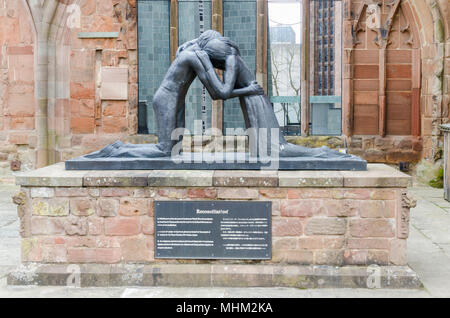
{"x":224,"y":90}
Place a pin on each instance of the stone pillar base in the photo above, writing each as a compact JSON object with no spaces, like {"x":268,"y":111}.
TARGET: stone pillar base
{"x":330,"y":218}
{"x":207,"y":275}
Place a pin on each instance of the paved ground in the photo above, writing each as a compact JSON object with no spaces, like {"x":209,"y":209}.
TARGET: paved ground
{"x":428,"y":247}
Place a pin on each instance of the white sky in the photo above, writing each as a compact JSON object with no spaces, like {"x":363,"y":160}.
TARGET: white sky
{"x":286,"y":13}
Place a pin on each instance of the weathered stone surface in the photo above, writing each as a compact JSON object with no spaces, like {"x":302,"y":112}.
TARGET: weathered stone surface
{"x":42,"y":192}
{"x":108,"y":207}
{"x":82,"y":206}
{"x":122,"y":226}
{"x":310,"y":179}
{"x":76,"y":226}
{"x":172,"y":193}
{"x":236,"y":178}
{"x":95,"y":226}
{"x":372,"y":228}
{"x":276,"y":193}
{"x":241,"y":275}
{"x":303,"y":208}
{"x":398,"y":252}
{"x":319,"y":225}
{"x":301,"y":257}
{"x":368,"y":243}
{"x":286,"y":227}
{"x":209,"y":275}
{"x":51,"y":207}
{"x":202,"y":193}
{"x":137,"y":249}
{"x":123,"y":178}
{"x":115,"y":192}
{"x":329,"y":257}
{"x":47,"y":226}
{"x":71,"y":192}
{"x":180,"y":178}
{"x":326,"y":226}
{"x":51,"y":176}
{"x":376,"y":176}
{"x":132,"y":206}
{"x":237,"y":194}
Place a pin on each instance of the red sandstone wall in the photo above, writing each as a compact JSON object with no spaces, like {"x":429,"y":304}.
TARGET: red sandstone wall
{"x":95,"y":119}
{"x":83,"y":120}
{"x":17,"y":102}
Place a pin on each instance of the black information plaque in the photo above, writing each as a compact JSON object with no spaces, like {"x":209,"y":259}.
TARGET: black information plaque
{"x":213,"y":230}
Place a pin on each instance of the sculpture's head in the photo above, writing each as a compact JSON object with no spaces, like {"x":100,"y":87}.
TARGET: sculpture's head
{"x":217,"y":47}
{"x":199,"y":42}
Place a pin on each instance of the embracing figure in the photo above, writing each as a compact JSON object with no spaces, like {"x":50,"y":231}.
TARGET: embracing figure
{"x":200,"y":57}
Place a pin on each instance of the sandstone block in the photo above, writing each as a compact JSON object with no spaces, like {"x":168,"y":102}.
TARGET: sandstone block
{"x":42,"y":192}
{"x":371,"y":228}
{"x":108,"y":207}
{"x":82,"y":206}
{"x":326,"y":226}
{"x":132,"y":206}
{"x":286,"y":227}
{"x":122,"y":226}
{"x":237,"y":194}
{"x":75,"y":226}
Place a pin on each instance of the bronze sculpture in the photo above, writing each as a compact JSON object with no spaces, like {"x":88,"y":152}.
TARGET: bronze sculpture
{"x":200,"y":57}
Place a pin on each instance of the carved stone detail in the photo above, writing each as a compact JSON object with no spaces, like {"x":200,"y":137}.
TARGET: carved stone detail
{"x":406,"y":204}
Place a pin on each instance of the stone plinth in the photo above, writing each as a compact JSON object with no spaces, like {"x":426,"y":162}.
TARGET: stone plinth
{"x":333,"y":218}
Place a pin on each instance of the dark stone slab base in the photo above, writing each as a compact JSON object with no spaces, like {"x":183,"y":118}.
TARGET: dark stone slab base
{"x":215,"y":275}
{"x":229,"y":161}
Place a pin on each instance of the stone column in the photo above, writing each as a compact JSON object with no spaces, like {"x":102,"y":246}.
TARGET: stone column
{"x":173,"y":29}
{"x":43,"y":13}
{"x":305,"y":70}
{"x":347,"y":74}
{"x":217,"y":24}
{"x":261,"y":43}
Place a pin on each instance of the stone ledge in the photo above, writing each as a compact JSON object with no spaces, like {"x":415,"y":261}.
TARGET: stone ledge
{"x":180,"y":178}
{"x":376,"y":176}
{"x":245,"y":178}
{"x":122,"y":178}
{"x":311,"y":179}
{"x":208,"y":275}
{"x":51,"y":176}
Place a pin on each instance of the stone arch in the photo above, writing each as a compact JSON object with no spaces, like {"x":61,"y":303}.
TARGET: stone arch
{"x":59,"y":79}
{"x":434,"y":103}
